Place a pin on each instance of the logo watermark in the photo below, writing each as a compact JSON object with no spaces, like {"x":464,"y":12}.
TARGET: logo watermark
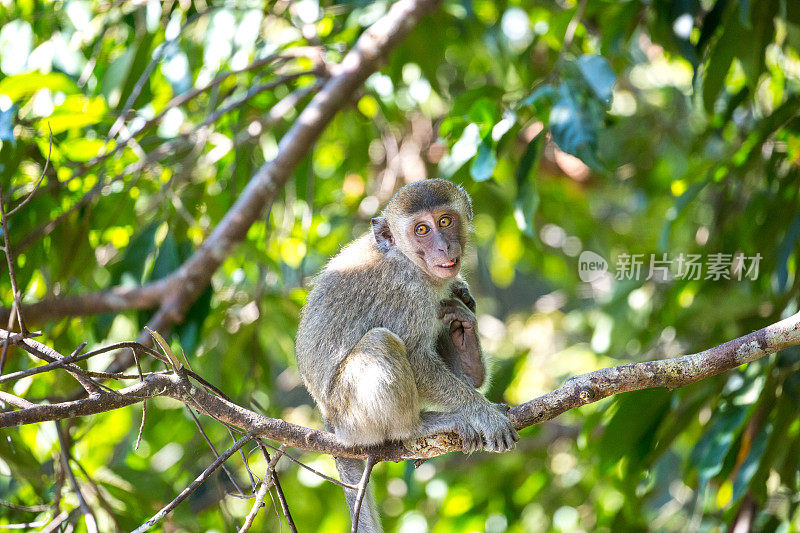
{"x":591,"y":266}
{"x":664,"y":267}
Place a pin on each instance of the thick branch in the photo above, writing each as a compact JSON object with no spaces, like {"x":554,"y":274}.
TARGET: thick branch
{"x":669,"y":373}
{"x":577,"y":391}
{"x":113,"y":300}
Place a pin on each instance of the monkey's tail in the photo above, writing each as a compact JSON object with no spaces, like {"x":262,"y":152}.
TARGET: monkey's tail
{"x":350,"y":472}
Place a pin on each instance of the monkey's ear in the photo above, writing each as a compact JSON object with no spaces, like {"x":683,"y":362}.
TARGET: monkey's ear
{"x":382,"y":233}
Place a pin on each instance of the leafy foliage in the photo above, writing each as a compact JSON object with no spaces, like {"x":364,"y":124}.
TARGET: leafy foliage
{"x":659,"y":128}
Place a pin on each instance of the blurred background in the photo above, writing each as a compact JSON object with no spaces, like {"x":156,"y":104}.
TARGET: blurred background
{"x":654,"y":127}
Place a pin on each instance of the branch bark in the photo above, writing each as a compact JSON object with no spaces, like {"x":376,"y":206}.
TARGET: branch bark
{"x":577,"y":391}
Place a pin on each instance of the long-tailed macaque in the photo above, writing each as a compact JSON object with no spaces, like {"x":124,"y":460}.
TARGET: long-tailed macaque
{"x":389,"y":327}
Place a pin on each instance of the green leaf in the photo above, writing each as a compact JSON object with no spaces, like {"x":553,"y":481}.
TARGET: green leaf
{"x":572,"y":129}
{"x":19,"y":459}
{"x":719,"y":62}
{"x":464,"y":102}
{"x":139,"y":63}
{"x":463,"y":150}
{"x":631,"y":430}
{"x":190,"y":329}
{"x":114,"y":76}
{"x":599,"y":75}
{"x":173,"y":359}
{"x":167,"y":260}
{"x":750,"y":465}
{"x":527,"y":201}
{"x":709,"y":453}
{"x":26,"y":85}
{"x":680,"y":204}
{"x":7,"y":124}
{"x":785,"y":254}
{"x":76,"y":111}
{"x":136,"y":254}
{"x":81,"y":149}
{"x":484,"y":164}
{"x":541,"y":100}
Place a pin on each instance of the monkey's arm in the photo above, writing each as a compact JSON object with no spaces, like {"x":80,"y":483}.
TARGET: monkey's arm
{"x":459,"y":345}
{"x":478,"y":422}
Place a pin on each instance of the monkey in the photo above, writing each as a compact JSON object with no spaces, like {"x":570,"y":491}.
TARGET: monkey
{"x":389,"y":327}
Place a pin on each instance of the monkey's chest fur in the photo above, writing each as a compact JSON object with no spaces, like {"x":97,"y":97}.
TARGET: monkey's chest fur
{"x":348,"y":300}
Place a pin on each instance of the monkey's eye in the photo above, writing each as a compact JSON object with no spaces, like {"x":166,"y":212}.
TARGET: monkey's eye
{"x":445,"y":221}
{"x":422,"y":229}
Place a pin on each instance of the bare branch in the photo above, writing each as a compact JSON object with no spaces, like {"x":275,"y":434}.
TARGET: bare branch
{"x":264,"y":487}
{"x":310,"y":469}
{"x":362,"y":491}
{"x":577,"y":391}
{"x":25,"y":508}
{"x":91,"y":522}
{"x":44,"y":352}
{"x":284,"y":505}
{"x":113,"y":300}
{"x":214,"y":450}
{"x":10,"y":262}
{"x":15,"y":400}
{"x":56,"y":523}
{"x":36,"y":187}
{"x":75,"y":357}
{"x":26,"y":526}
{"x":194,"y":484}
{"x":669,"y":373}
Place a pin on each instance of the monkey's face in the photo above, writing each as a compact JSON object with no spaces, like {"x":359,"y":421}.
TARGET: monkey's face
{"x":435,"y":238}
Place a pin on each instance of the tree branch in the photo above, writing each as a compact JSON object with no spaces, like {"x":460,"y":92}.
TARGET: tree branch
{"x":577,"y":391}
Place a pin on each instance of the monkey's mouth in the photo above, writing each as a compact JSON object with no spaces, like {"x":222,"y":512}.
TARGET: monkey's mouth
{"x":449,"y":264}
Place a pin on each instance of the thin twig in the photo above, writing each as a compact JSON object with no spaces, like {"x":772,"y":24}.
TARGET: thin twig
{"x":7,"y":342}
{"x":100,"y":498}
{"x":26,"y":526}
{"x":36,"y":187}
{"x":251,"y":92}
{"x":144,"y":403}
{"x":310,"y":469}
{"x":569,"y":35}
{"x":141,"y":426}
{"x":362,"y":490}
{"x":15,"y":400}
{"x":282,"y":500}
{"x":48,"y":354}
{"x":65,"y":361}
{"x":273,"y":477}
{"x":214,"y":450}
{"x":279,"y":110}
{"x":91,"y":522}
{"x":25,"y":508}
{"x":10,"y":261}
{"x":56,"y":522}
{"x":264,"y":487}
{"x":194,"y":484}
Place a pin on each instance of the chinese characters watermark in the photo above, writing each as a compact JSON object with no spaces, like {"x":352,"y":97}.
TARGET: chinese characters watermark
{"x":663,"y":267}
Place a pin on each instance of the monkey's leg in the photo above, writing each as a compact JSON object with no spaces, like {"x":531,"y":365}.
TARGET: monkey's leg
{"x":373,"y":398}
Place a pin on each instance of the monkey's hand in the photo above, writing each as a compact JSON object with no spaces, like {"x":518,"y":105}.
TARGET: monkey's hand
{"x":460,"y":290}
{"x":462,"y":326}
{"x":483,"y":425}
{"x":495,"y":431}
